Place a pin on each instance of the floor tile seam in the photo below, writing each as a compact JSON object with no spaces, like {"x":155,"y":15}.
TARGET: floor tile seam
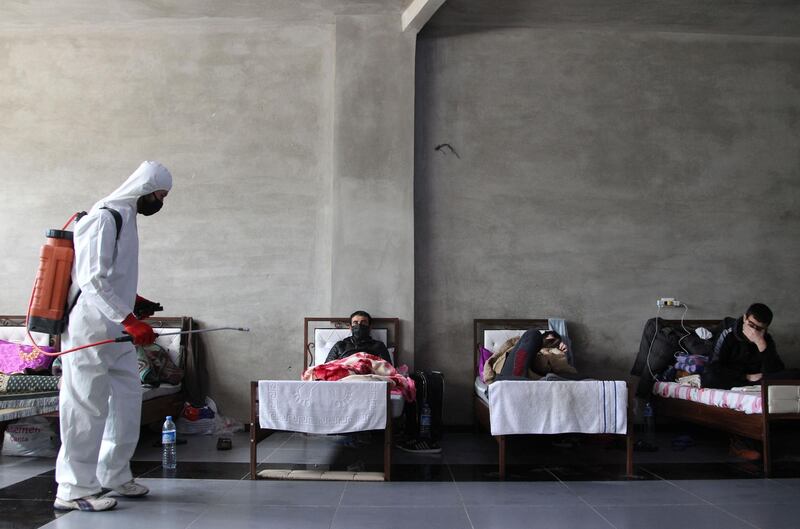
{"x":338,"y":505}
{"x":199,"y":516}
{"x":469,"y":518}
{"x":395,"y":505}
{"x":733,"y":515}
{"x":263,"y":460}
{"x":689,"y":492}
{"x":640,"y":504}
{"x":598,"y":513}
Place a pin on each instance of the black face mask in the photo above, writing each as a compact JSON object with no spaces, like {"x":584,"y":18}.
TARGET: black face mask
{"x":148,"y":205}
{"x":360,"y":332}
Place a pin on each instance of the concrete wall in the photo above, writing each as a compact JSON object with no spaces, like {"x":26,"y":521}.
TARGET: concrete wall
{"x":246,"y":105}
{"x":373,"y":219}
{"x":600,"y":166}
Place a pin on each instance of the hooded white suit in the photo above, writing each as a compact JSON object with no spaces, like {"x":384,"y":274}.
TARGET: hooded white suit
{"x":101,"y":397}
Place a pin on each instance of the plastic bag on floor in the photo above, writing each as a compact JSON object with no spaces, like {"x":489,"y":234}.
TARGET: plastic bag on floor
{"x":206,"y":421}
{"x":31,"y":437}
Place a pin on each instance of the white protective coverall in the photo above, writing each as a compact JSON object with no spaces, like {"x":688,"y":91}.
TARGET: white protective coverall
{"x":101,"y":397}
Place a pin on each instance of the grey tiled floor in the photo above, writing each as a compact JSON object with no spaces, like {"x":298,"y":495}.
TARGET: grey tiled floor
{"x":198,"y":504}
{"x":461,"y":494}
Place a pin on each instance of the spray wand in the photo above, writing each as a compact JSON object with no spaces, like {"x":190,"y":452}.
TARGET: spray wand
{"x":128,"y":338}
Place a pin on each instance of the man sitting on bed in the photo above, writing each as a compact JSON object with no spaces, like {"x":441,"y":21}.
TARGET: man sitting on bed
{"x":743,"y":354}
{"x":360,"y":341}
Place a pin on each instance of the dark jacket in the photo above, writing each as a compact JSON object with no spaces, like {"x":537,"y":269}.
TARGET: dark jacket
{"x":349,"y":346}
{"x":735,"y":356}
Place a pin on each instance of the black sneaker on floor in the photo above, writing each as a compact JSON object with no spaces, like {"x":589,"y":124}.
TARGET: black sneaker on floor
{"x":420,"y":446}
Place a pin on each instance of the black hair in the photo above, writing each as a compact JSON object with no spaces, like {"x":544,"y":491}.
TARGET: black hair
{"x":361,"y":313}
{"x":760,"y":312}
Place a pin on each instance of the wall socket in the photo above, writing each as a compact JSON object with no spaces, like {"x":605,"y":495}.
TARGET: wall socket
{"x":668,"y":302}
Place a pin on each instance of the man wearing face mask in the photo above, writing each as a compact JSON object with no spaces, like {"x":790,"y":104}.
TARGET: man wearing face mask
{"x":360,"y":341}
{"x":101,"y":398}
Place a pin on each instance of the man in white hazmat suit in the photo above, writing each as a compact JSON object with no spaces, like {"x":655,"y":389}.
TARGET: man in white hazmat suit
{"x":101,"y":397}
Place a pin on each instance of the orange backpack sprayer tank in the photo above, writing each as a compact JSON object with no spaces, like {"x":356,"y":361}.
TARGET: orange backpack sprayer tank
{"x":47,"y":307}
{"x":49,"y":298}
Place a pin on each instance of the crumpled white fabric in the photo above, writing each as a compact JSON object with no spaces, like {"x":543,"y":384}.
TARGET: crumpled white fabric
{"x":703,"y":333}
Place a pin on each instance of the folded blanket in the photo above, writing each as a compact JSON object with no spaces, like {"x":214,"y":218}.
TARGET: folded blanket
{"x":321,"y":407}
{"x":363,"y":364}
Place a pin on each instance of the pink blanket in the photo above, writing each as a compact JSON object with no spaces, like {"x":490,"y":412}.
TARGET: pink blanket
{"x":363,"y":366}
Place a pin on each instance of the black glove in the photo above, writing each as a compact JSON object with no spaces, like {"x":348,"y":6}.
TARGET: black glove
{"x":144,"y":308}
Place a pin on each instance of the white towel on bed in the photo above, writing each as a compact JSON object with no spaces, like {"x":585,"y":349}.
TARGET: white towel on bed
{"x":536,"y":407}
{"x":321,"y":407}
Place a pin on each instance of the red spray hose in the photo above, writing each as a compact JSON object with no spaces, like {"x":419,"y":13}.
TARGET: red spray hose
{"x":126,"y":338}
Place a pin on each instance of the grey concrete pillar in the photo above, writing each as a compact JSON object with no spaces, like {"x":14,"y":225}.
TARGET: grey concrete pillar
{"x":372,"y":241}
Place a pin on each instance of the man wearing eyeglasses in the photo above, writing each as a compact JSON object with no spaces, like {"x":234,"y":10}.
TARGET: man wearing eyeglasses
{"x":743,"y":353}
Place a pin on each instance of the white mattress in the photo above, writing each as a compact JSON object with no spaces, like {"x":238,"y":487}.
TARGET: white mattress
{"x":481,"y":389}
{"x":782,"y":399}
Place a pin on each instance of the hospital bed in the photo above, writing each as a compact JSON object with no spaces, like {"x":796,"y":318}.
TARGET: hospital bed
{"x":528,"y":407}
{"x":749,"y":414}
{"x":296,"y":406}
{"x":157,"y":402}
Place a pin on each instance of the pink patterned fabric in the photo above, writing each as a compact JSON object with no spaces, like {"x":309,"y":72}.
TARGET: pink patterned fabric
{"x":16,"y":358}
{"x":749,"y":403}
{"x":367,"y":367}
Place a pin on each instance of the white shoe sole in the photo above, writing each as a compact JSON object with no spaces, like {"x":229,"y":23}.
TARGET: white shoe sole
{"x":88,"y":504}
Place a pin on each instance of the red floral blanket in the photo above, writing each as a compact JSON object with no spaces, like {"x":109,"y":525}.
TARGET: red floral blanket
{"x":363,"y":366}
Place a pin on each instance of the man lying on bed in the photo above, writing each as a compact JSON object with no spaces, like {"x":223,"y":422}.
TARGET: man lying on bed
{"x":360,"y":341}
{"x":534,"y":356}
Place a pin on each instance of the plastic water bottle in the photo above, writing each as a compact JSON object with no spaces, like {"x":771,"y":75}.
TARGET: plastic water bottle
{"x":169,"y":457}
{"x":425,"y":421}
{"x":649,"y":424}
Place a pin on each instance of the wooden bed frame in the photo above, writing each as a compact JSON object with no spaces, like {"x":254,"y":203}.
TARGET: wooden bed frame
{"x":481,"y":408}
{"x":753,"y":426}
{"x":153,"y":410}
{"x":258,"y":434}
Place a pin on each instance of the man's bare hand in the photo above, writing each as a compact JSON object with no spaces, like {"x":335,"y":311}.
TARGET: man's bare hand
{"x":755,"y":336}
{"x":754,"y":377}
{"x":562,"y":347}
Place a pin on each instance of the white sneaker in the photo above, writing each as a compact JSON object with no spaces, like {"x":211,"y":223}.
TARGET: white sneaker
{"x":87,"y":503}
{"x":131,"y":489}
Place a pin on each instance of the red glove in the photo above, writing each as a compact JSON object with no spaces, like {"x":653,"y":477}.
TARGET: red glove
{"x":142,"y":333}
